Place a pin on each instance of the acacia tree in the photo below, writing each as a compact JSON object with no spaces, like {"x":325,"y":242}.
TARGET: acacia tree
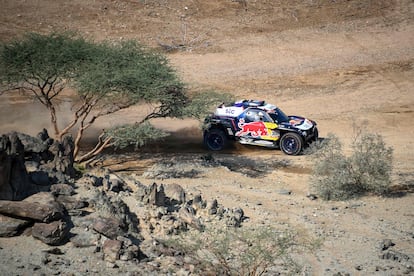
{"x":106,"y":76}
{"x":42,"y":66}
{"x":120,"y":76}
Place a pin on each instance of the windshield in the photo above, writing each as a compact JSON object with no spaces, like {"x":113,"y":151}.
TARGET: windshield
{"x":278,"y":116}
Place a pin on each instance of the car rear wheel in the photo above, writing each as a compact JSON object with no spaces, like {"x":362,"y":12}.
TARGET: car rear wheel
{"x":291,"y":143}
{"x":215,"y":139}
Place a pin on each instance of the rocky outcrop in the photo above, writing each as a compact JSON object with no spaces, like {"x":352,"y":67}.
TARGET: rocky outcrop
{"x":31,"y":164}
{"x":41,"y":198}
{"x":15,"y":183}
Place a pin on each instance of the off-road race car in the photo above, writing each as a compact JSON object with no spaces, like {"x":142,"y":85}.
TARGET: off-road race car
{"x":258,"y":123}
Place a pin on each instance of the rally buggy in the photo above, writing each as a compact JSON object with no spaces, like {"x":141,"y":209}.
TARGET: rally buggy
{"x":258,"y":123}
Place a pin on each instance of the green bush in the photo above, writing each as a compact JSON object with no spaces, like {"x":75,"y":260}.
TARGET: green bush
{"x":242,"y":251}
{"x":338,"y":177}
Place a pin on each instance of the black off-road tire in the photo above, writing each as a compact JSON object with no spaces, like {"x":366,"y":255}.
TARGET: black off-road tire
{"x":291,"y":143}
{"x":215,"y":139}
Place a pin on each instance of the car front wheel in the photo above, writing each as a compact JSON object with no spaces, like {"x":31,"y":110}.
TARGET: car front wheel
{"x":291,"y":143}
{"x":215,"y":139}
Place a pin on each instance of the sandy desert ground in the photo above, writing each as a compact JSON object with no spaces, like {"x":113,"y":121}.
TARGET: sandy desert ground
{"x":340,"y":63}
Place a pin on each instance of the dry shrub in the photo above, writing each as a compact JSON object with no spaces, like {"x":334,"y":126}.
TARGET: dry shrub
{"x":243,"y":251}
{"x":338,"y":177}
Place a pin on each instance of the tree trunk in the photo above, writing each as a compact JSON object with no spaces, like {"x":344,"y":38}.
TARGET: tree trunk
{"x":53,"y":120}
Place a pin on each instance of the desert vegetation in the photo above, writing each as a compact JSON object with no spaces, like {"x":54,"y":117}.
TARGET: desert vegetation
{"x":340,"y":177}
{"x":107,"y":77}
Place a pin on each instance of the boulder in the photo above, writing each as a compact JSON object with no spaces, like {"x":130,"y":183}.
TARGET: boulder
{"x":107,"y":206}
{"x":15,"y":183}
{"x":38,"y":207}
{"x":54,"y":233}
{"x":112,"y":250}
{"x":175,"y":193}
{"x":109,"y":227}
{"x":10,"y":227}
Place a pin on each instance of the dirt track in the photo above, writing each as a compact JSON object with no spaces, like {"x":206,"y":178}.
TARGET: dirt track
{"x":338,"y":62}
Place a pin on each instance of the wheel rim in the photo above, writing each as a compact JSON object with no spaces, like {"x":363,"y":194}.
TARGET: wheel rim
{"x":215,"y":141}
{"x":290,"y":145}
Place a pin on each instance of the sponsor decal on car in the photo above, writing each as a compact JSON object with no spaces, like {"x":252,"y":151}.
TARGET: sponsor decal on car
{"x":259,"y":129}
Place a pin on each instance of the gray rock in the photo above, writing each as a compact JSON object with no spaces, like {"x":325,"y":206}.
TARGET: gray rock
{"x":212,"y":207}
{"x":175,"y":193}
{"x":92,"y":180}
{"x":153,"y":195}
{"x":187,"y":215}
{"x":71,"y":203}
{"x":15,"y":183}
{"x":11,"y":226}
{"x":112,"y":250}
{"x":109,"y":227}
{"x":30,"y":208}
{"x":395,"y":256}
{"x":386,"y":244}
{"x":62,"y":189}
{"x":85,"y":239}
{"x":63,"y":156}
{"x":54,"y":233}
{"x":284,"y":192}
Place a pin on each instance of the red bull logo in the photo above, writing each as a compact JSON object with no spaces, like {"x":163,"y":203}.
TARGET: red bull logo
{"x":255,"y":129}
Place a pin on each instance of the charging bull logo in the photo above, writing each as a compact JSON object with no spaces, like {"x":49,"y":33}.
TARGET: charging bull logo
{"x":255,"y":129}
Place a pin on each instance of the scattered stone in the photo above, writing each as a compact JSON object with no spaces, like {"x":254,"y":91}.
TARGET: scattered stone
{"x":71,"y":203}
{"x":187,"y":215}
{"x":312,"y":196}
{"x":92,"y":180}
{"x":111,"y":249}
{"x":358,"y":267}
{"x":235,"y":217}
{"x":62,"y":189}
{"x":54,"y":251}
{"x":54,"y":233}
{"x":85,"y":239}
{"x":175,"y":193}
{"x":45,"y":258}
{"x":395,"y":256}
{"x":109,"y":227}
{"x":212,"y":207}
{"x":114,"y":183}
{"x":284,"y":192}
{"x":156,"y":195}
{"x":198,"y":203}
{"x":152,"y":195}
{"x":386,"y":244}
